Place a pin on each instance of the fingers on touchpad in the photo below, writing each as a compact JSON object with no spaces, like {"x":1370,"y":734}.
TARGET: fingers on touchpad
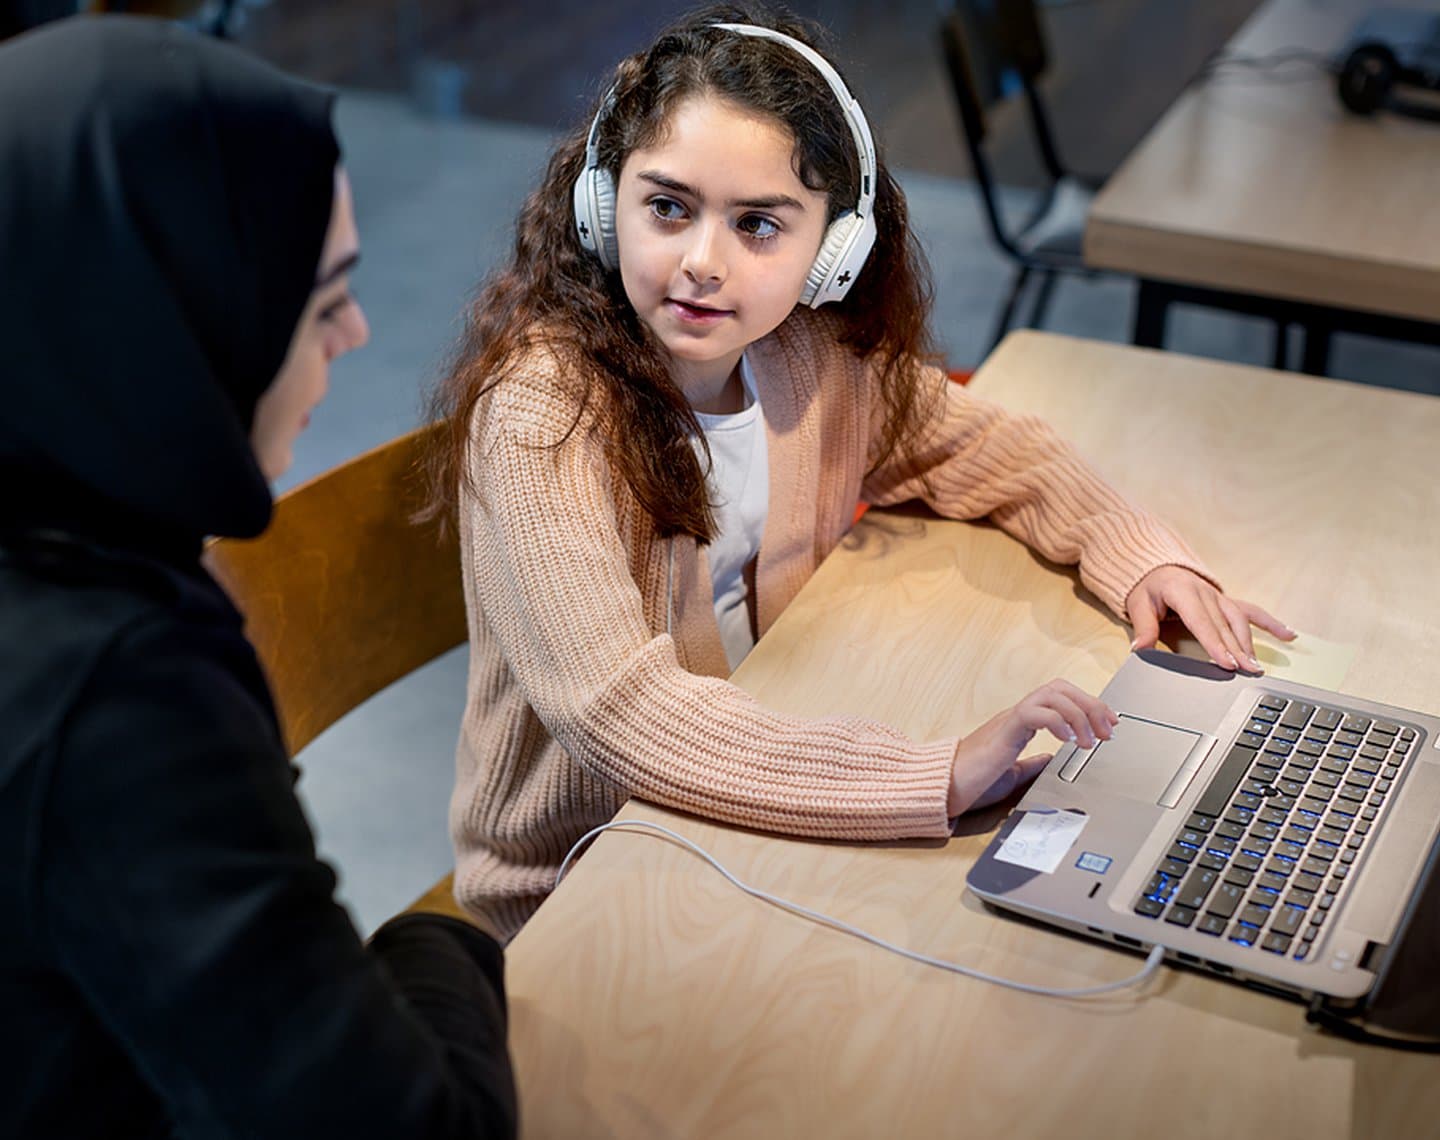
{"x":1142,"y":760}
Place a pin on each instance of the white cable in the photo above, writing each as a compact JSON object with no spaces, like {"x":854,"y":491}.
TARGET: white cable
{"x":1152,"y":963}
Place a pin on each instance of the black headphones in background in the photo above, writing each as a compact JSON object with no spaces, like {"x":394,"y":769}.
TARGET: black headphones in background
{"x":1367,"y":82}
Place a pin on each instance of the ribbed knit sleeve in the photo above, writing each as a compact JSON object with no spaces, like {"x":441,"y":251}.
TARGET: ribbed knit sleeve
{"x":579,"y":694}
{"x":554,"y":588}
{"x":980,"y":460}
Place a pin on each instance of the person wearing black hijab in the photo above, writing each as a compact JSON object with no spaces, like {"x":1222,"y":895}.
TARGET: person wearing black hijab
{"x":175,"y":244}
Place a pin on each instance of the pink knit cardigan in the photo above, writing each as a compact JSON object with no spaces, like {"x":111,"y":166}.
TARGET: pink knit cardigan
{"x":578,"y":698}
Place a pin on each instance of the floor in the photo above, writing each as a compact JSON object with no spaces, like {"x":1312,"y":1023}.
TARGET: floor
{"x":435,"y":199}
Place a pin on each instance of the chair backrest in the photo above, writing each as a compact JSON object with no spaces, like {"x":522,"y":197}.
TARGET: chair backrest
{"x":343,"y":594}
{"x":991,"y":48}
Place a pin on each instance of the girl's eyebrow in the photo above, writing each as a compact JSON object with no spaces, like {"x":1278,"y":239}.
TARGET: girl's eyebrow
{"x":767,"y":202}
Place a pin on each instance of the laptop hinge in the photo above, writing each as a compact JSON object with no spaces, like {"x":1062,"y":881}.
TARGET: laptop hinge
{"x":1372,"y":952}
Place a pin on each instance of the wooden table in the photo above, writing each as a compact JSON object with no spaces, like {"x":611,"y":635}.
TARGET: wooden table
{"x":650,"y":999}
{"x":1258,"y":191}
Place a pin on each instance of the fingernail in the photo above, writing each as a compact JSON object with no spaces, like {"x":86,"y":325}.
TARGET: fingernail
{"x":1134,"y":645}
{"x":1255,"y":664}
{"x":1230,"y":657}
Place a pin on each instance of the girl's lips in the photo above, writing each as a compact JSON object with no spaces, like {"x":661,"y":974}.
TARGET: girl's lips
{"x":696,"y":314}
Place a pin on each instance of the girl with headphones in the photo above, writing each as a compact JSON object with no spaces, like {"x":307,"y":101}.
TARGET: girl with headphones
{"x":709,"y":343}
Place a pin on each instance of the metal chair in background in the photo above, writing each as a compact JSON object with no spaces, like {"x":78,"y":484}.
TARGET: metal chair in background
{"x":996,"y":49}
{"x":993,"y":50}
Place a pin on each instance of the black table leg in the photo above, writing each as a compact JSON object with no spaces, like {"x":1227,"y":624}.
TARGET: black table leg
{"x":1316,"y":357}
{"x":1280,"y":358}
{"x":1152,"y":304}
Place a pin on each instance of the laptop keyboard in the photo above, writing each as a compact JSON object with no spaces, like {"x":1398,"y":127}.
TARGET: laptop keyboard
{"x":1267,"y":853}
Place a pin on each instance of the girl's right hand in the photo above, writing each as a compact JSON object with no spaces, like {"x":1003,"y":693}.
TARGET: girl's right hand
{"x":987,"y":762}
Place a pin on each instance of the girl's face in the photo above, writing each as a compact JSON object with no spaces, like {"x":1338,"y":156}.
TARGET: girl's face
{"x":716,"y":234}
{"x":331,"y":325}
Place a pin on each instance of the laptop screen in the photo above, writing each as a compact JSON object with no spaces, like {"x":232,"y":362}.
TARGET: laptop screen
{"x":1407,"y":1000}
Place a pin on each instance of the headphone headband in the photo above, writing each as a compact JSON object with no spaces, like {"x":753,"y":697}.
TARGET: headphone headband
{"x":848,"y":239}
{"x":849,"y":105}
{"x":592,"y":140}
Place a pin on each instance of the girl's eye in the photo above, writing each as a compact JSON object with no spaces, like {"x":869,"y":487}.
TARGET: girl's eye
{"x":336,"y":307}
{"x":758,"y":226}
{"x":667,"y":209}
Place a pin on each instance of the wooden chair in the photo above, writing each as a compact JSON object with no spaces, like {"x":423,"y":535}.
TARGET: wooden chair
{"x":343,"y":595}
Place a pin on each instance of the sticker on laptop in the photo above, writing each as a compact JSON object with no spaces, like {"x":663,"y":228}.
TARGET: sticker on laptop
{"x":1042,"y":839}
{"x":1089,"y":861}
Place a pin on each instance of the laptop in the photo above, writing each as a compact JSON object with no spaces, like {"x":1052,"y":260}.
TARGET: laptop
{"x":1265,"y":831}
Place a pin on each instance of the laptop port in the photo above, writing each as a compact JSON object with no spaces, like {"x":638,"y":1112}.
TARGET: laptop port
{"x":1124,"y":941}
{"x":1220,"y":968}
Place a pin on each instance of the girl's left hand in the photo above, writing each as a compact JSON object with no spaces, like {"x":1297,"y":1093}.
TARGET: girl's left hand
{"x":1220,"y":624}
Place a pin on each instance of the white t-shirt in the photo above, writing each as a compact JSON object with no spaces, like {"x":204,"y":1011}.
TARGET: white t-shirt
{"x":739,"y":486}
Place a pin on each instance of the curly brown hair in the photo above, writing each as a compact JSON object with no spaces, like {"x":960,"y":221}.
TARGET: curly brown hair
{"x":554,"y":292}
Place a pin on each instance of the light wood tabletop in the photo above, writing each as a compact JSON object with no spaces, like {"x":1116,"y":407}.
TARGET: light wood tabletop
{"x":1257,"y":180}
{"x":650,"y":998}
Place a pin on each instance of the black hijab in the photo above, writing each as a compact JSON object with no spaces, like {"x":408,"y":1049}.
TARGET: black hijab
{"x":163,"y":205}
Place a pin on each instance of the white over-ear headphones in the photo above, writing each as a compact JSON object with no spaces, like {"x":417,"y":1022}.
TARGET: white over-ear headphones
{"x":848,"y":239}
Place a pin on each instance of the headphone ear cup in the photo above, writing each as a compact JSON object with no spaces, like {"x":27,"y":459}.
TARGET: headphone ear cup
{"x":832,"y":248}
{"x":847,"y":244}
{"x":1366,"y":78}
{"x":594,"y":199}
{"x":605,"y":218}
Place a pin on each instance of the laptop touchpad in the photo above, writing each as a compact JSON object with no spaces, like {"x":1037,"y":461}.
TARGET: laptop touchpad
{"x":1139,"y":761}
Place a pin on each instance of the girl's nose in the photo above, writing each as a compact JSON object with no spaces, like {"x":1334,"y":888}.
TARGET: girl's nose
{"x":704,"y":262}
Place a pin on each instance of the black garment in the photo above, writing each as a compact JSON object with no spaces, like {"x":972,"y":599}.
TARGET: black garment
{"x":163,"y":204}
{"x":173,"y":956}
{"x":173,"y":961}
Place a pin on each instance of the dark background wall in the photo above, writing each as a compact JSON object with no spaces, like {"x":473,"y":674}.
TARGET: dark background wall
{"x":1115,"y":64}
